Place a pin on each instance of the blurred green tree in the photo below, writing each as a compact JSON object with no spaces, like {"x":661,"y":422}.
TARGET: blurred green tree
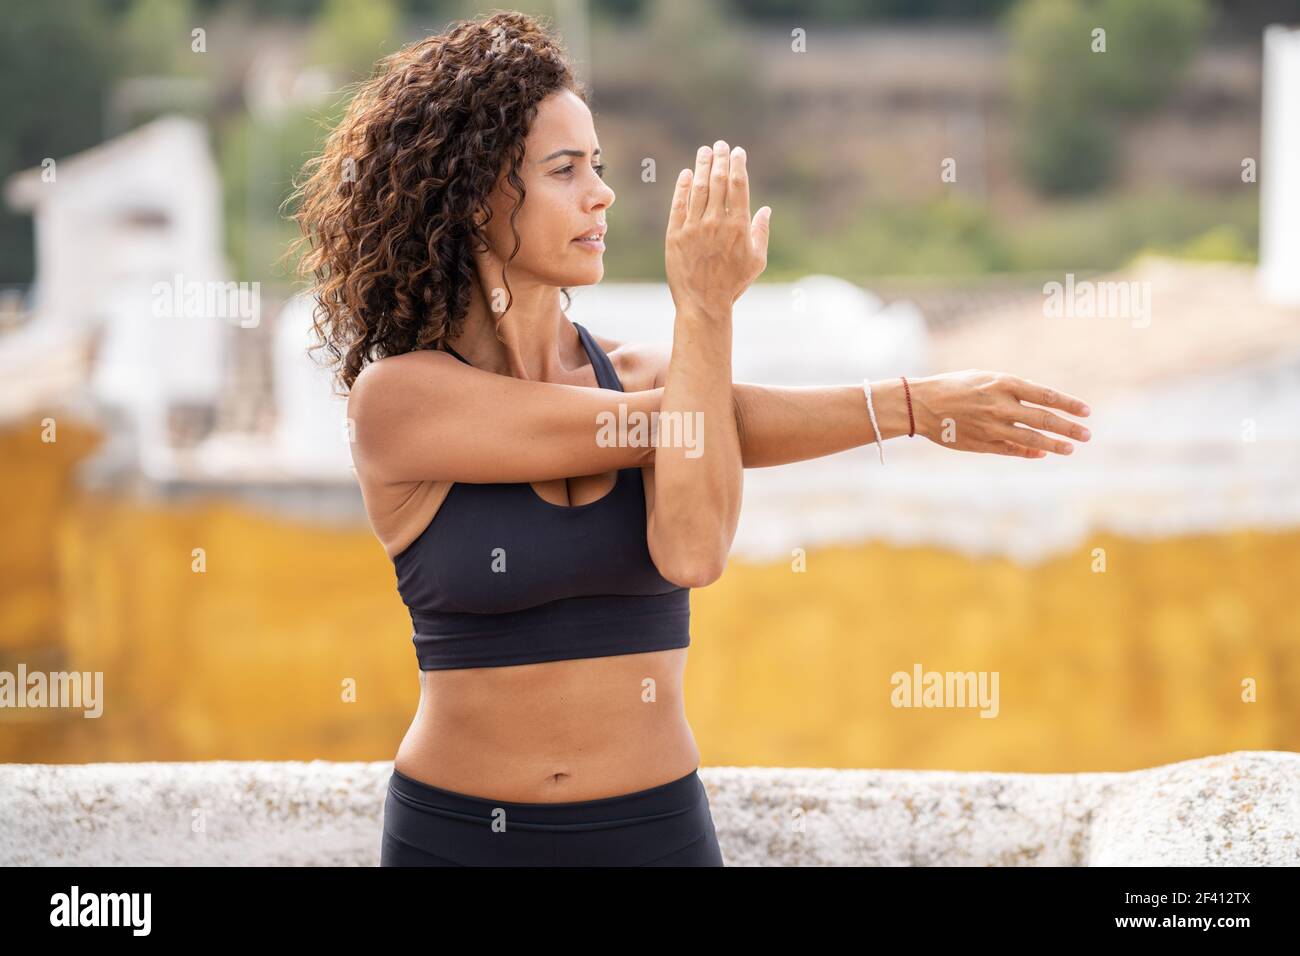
{"x":1157,"y":39}
{"x":156,"y":37}
{"x":352,"y":35}
{"x":1079,"y":69}
{"x":57,"y":61}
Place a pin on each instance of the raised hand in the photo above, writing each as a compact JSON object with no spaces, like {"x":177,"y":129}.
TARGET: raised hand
{"x":713,"y":250}
{"x":975,"y":410}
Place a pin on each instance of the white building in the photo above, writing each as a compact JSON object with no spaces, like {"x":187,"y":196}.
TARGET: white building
{"x":1279,"y":188}
{"x":119,"y":228}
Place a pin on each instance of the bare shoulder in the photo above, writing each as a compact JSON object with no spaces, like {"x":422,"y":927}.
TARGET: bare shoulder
{"x":396,"y":379}
{"x":388,"y":406}
{"x":640,"y":365}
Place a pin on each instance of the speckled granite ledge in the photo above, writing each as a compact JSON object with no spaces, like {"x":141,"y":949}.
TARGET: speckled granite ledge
{"x":1238,"y":809}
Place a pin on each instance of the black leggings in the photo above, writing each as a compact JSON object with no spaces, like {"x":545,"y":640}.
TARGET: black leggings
{"x":667,"y":825}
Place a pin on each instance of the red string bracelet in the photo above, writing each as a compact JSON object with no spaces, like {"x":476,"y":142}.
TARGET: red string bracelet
{"x":911,"y":421}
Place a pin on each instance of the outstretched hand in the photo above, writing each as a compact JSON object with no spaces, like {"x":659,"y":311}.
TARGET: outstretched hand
{"x":975,"y":410}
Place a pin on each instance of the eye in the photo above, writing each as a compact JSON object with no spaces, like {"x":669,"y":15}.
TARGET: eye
{"x":568,"y":170}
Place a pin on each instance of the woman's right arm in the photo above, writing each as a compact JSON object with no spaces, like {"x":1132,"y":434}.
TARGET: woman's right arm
{"x":712,"y":251}
{"x":426,"y":416}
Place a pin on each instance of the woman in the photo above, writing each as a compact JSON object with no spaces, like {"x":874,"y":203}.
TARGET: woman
{"x":546,"y":568}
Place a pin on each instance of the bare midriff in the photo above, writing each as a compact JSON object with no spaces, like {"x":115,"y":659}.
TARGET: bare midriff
{"x":552,"y":732}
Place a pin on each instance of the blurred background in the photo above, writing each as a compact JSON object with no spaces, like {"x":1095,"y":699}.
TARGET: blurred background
{"x":179,"y":513}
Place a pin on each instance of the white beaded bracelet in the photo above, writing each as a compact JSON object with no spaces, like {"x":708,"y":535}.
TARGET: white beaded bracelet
{"x":866,"y":390}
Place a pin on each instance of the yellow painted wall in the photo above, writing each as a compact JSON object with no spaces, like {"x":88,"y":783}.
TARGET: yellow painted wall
{"x":37,"y":460}
{"x":1136,"y":666}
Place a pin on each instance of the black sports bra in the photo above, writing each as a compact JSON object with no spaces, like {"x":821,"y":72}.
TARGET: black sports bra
{"x":501,"y":576}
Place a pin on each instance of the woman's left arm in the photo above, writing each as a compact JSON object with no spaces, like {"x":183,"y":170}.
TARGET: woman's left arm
{"x":971,"y":410}
{"x":966,"y":411}
{"x":783,"y":424}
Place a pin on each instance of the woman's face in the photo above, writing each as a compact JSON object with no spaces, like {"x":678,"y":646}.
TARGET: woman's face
{"x":566,"y":197}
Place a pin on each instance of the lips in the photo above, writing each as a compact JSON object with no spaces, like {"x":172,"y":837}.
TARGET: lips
{"x":598,"y":232}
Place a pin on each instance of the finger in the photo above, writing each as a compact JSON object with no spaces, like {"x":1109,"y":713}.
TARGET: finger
{"x":1044,"y":420}
{"x":1009,"y":448}
{"x":738,"y":188}
{"x":1020,"y":451}
{"x":700,"y":183}
{"x":1028,"y":391}
{"x":718,"y":180}
{"x":760,"y":231}
{"x":1032,"y":439}
{"x":681,"y":200}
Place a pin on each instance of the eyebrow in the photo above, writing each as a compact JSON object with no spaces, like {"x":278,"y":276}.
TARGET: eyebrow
{"x":569,"y":152}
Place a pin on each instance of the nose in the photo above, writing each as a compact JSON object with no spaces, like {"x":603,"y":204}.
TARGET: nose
{"x":604,"y":197}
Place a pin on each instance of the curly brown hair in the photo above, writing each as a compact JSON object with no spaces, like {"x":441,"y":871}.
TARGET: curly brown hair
{"x":393,"y":207}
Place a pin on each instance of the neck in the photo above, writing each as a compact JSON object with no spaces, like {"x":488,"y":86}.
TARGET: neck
{"x":536,"y":340}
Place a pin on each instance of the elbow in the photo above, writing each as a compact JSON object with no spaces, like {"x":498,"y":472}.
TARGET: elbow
{"x":689,"y":554}
{"x":692,"y":571}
